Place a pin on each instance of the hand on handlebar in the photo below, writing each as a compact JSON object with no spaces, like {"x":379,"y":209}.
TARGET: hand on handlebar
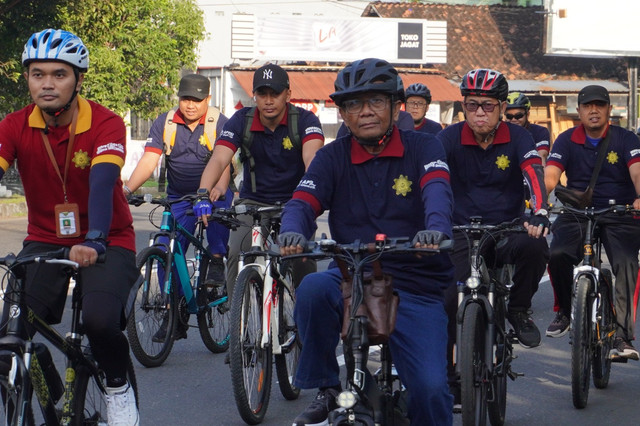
{"x":428,"y":239}
{"x":202,"y":208}
{"x":537,"y":226}
{"x":291,"y":243}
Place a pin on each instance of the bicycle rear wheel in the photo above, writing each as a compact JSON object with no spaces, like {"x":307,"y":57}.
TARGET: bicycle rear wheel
{"x":581,"y":343}
{"x":12,"y":396}
{"x":213,"y":321}
{"x":497,"y":404}
{"x":90,"y":403}
{"x":473,"y":366}
{"x":287,"y":361}
{"x":606,"y":331}
{"x":250,"y":364}
{"x":152,"y":321}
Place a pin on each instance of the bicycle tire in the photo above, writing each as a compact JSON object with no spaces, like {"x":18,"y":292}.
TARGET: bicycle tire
{"x":287,"y":361}
{"x":473,"y":370}
{"x":251,"y":366}
{"x":581,"y":343}
{"x":601,"y":368}
{"x":150,"y":309}
{"x":213,"y":321}
{"x":497,"y":404}
{"x":11,"y":397}
{"x":90,"y":401}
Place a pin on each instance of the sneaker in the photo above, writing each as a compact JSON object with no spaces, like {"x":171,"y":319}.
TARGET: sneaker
{"x":526,"y":331}
{"x":559,"y":326}
{"x":161,"y":334}
{"x":215,"y":273}
{"x":624,"y":349}
{"x":121,"y":406}
{"x":317,"y":413}
{"x":181,"y":331}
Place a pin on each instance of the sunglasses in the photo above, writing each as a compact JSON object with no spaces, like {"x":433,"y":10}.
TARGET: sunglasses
{"x":517,"y":116}
{"x":486,"y":106}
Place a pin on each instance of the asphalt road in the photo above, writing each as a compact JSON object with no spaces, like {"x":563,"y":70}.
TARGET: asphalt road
{"x":194,"y":386}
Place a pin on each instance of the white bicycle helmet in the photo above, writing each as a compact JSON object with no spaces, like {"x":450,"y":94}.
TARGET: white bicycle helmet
{"x":56,"y":45}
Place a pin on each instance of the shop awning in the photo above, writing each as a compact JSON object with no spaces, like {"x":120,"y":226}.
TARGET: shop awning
{"x":318,"y":85}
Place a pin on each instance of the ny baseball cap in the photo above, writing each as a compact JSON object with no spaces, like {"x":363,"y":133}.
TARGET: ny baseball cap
{"x":593,"y":93}
{"x":194,"y":86}
{"x":272,"y":76}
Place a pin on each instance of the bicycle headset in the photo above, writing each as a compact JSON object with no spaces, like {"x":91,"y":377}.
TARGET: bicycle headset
{"x":57,"y":46}
{"x":420,"y":90}
{"x":369,"y":75}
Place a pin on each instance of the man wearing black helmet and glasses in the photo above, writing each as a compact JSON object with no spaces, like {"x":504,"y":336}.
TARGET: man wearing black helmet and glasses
{"x":518,"y":112}
{"x":488,"y":159}
{"x":377,"y":179}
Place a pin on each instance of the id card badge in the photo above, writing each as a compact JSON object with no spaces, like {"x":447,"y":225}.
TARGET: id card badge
{"x":67,"y":220}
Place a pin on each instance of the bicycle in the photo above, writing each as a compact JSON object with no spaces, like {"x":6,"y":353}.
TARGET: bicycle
{"x":165,"y":270}
{"x":262,"y":325}
{"x":593,"y":317}
{"x":27,"y":366}
{"x":484,"y":348}
{"x":368,"y":399}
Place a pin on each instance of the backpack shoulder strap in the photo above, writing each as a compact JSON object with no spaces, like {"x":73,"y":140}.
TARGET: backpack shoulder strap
{"x":210,"y":123}
{"x":292,"y":126}
{"x":169,"y":133}
{"x":247,"y":140}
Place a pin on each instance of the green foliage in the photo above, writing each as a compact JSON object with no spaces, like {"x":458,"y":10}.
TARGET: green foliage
{"x":136,"y":48}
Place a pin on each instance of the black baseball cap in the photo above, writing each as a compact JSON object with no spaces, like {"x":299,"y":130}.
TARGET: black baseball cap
{"x":593,"y":93}
{"x":272,"y":76}
{"x":194,"y":86}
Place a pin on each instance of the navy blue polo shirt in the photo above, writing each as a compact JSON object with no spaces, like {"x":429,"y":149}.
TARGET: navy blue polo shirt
{"x":429,"y":126}
{"x":577,"y":159}
{"x":398,"y":192}
{"x":541,"y":136}
{"x":189,"y":154}
{"x":489,"y":182}
{"x":278,"y":164}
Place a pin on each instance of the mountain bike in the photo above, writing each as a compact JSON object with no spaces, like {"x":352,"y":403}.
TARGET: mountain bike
{"x":27,"y":366}
{"x":368,"y":399}
{"x":262,"y":324}
{"x":593,"y":317}
{"x":159,"y":306}
{"x":484,"y":348}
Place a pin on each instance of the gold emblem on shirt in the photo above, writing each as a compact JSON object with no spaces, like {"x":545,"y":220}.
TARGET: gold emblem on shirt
{"x":81,"y":159}
{"x":612,"y":157}
{"x":203,"y":140}
{"x":503,"y":162}
{"x":286,"y":143}
{"x":402,"y":185}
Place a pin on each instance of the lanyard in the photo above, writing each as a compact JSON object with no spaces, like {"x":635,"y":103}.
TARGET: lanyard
{"x":47,"y":145}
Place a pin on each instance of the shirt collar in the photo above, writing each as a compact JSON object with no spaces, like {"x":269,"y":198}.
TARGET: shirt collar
{"x":579,"y":135}
{"x":503,"y":135}
{"x":178,"y":118}
{"x":393,"y":148}
{"x":36,"y":119}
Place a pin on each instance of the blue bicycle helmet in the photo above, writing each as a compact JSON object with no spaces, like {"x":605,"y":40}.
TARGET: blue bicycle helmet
{"x":56,"y":45}
{"x":420,"y":90}
{"x":367,"y":75}
{"x":485,"y":82}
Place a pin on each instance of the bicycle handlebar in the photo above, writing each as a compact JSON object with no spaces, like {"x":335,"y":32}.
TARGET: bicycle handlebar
{"x":620,"y":209}
{"x":60,"y":256}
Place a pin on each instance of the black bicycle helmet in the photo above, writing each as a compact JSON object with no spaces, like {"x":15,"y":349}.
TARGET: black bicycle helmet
{"x":367,"y":75}
{"x":418,"y":89}
{"x":518,"y":100}
{"x":485,"y":82}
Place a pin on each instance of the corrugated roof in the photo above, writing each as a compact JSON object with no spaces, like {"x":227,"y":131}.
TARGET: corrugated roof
{"x":318,"y":85}
{"x":563,"y":86}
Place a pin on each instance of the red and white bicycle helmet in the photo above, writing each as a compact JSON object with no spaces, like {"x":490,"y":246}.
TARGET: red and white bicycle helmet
{"x":485,"y":82}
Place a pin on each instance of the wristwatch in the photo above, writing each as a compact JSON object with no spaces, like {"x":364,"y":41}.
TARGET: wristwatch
{"x":95,"y":235}
{"x":202,"y":192}
{"x":542,"y":212}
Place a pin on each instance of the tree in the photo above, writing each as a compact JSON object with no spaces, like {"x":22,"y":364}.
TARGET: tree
{"x":137,"y":48}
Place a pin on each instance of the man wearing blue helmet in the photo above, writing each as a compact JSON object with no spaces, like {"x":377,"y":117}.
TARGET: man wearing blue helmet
{"x":378,"y":179}
{"x":417,"y":104}
{"x":69,"y":152}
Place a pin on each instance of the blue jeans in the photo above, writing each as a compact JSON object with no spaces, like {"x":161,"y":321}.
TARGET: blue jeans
{"x":418,"y":345}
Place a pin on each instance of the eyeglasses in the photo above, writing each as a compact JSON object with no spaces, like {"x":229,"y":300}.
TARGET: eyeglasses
{"x":416,"y":104}
{"x":517,"y":116}
{"x":486,"y":106}
{"x":354,"y":106}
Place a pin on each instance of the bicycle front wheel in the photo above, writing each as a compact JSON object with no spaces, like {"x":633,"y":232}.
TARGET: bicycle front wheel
{"x":497,"y":404}
{"x":90,"y":405}
{"x":606,"y":331}
{"x":581,"y":343}
{"x":152,"y":321}
{"x":13,"y":396}
{"x":474,"y":374}
{"x":213,"y":319}
{"x":250,"y":364}
{"x":287,"y":361}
